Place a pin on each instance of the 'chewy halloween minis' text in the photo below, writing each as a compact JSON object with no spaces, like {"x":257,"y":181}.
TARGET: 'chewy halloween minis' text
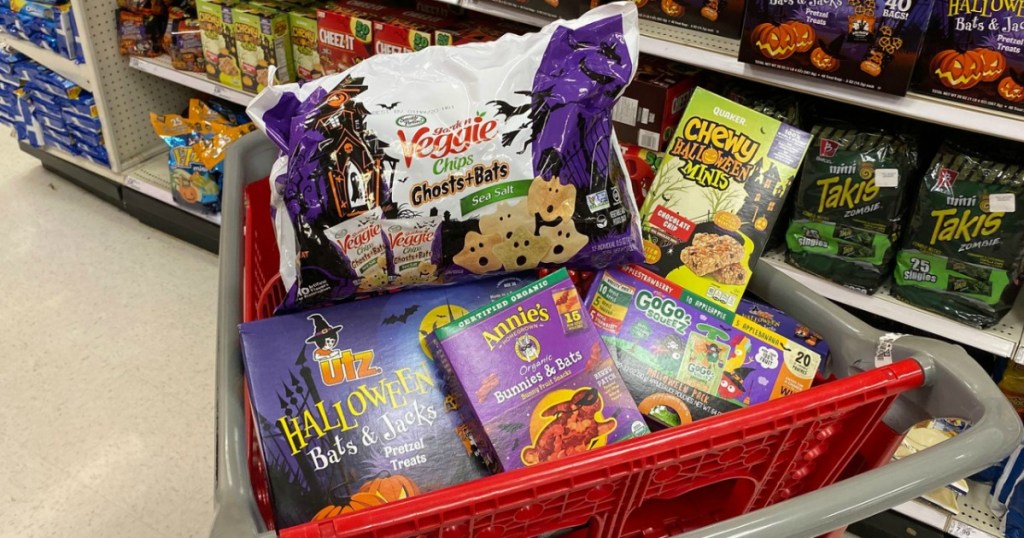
{"x":533,"y":377}
{"x":346,"y":397}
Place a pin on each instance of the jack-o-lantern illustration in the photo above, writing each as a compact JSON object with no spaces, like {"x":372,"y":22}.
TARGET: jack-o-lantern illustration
{"x":958,"y":70}
{"x":710,"y":10}
{"x":993,"y":64}
{"x":1011,"y":90}
{"x":776,"y":42}
{"x":824,"y":61}
{"x":672,"y":8}
{"x":391,"y":487}
{"x":803,"y":35}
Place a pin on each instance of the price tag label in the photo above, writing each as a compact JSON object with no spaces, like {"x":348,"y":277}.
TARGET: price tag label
{"x":962,"y":530}
{"x":1003,"y":202}
{"x":132,"y":183}
{"x":887,"y":177}
{"x":219,"y":91}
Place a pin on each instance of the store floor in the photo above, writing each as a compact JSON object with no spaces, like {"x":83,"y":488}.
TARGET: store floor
{"x":106,"y":366}
{"x":107,"y":331}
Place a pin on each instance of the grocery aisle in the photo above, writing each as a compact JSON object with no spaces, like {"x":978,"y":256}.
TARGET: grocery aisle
{"x":106,"y":377}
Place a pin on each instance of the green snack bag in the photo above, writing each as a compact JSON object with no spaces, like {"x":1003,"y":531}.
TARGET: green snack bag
{"x":962,"y":254}
{"x":851,"y":199}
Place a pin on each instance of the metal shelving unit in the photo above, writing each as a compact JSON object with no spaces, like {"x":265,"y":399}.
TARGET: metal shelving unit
{"x":975,"y":519}
{"x":161,"y":67}
{"x":1003,"y":339}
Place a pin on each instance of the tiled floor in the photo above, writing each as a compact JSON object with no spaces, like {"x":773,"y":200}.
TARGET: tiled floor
{"x":106,"y":366}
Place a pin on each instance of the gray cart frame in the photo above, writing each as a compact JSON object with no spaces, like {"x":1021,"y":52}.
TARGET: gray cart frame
{"x":955,"y":386}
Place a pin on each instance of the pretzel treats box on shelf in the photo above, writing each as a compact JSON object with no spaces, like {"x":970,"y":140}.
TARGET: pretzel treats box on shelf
{"x":717,"y":195}
{"x":534,"y":379}
{"x":682,"y":358}
{"x":717,"y":17}
{"x":350,"y":406}
{"x":974,"y":54}
{"x":869,"y":44}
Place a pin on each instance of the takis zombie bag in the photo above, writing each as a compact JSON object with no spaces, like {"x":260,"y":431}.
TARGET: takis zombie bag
{"x":471,"y":160}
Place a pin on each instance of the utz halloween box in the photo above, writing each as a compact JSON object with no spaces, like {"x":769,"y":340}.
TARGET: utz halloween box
{"x":974,"y":53}
{"x":533,"y":377}
{"x":717,"y":17}
{"x":681,"y":359}
{"x":349,"y":404}
{"x":717,"y":195}
{"x":865,"y":43}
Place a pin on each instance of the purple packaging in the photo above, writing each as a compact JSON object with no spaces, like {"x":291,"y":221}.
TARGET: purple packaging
{"x":682,"y":357}
{"x":533,"y":378}
{"x":782,"y":324}
{"x":345,"y":396}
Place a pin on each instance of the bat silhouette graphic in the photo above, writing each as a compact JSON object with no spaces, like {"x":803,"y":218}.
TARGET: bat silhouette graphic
{"x":507,"y":110}
{"x":595,"y":76}
{"x":608,"y":51}
{"x":401,"y":318}
{"x":390,"y":107}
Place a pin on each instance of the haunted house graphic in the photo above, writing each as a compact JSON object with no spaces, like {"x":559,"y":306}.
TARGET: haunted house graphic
{"x":358,"y":174}
{"x":765,"y":190}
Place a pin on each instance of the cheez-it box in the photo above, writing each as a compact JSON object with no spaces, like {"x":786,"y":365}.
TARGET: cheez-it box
{"x":407,"y":31}
{"x":344,"y":37}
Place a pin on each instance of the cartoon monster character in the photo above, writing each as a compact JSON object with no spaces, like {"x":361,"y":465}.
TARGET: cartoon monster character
{"x":731,"y":386}
{"x":576,"y":428}
{"x":325,"y":337}
{"x":668,"y":353}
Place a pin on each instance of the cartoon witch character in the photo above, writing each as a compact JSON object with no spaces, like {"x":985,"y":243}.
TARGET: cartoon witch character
{"x":731,"y":386}
{"x":325,"y":337}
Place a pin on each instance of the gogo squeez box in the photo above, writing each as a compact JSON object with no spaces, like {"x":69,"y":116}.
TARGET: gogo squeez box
{"x":680,"y":360}
{"x":534,"y":379}
{"x":865,"y":43}
{"x":974,"y":53}
{"x":350,"y":407}
{"x":717,"y":194}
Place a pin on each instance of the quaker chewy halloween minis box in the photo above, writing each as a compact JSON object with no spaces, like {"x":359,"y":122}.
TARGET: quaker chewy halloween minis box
{"x":680,"y":360}
{"x":974,"y":53}
{"x":349,"y":405}
{"x":534,"y":378}
{"x":865,"y":43}
{"x":717,"y":195}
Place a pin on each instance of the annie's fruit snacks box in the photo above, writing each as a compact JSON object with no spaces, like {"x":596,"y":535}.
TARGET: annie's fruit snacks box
{"x":864,"y":43}
{"x":680,"y":360}
{"x":974,"y":53}
{"x":262,"y":39}
{"x":718,"y":192}
{"x":533,"y":377}
{"x":649,"y":110}
{"x":717,"y":17}
{"x":347,"y":396}
{"x":344,"y":36}
{"x":218,"y":37}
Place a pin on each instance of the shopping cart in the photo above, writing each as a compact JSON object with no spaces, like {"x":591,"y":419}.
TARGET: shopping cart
{"x":804,"y":465}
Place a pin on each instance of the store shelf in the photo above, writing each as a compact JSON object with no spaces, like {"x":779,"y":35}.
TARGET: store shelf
{"x":975,"y":519}
{"x":85,"y":164}
{"x":1002,"y":340}
{"x":152,"y":179}
{"x":75,"y":72}
{"x":161,"y":67}
{"x":719,"y":54}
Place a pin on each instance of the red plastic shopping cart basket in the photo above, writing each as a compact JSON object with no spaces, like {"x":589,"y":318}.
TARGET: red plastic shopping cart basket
{"x":799,"y":466}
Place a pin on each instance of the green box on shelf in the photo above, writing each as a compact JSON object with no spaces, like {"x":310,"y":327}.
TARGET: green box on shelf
{"x":262,"y":39}
{"x":217,"y":23}
{"x":302,"y":22}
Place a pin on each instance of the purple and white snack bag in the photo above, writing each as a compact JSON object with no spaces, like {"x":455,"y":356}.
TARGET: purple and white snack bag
{"x":505,"y":150}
